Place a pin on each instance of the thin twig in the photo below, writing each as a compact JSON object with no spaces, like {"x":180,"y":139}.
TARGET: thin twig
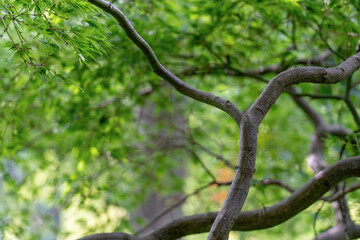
{"x":206,"y":169}
{"x":349,"y":103}
{"x":319,"y":96}
{"x":169,"y":209}
{"x":278,"y":183}
{"x":315,"y":218}
{"x":15,"y":45}
{"x":338,"y":195}
{"x":217,"y":156}
{"x":327,"y":43}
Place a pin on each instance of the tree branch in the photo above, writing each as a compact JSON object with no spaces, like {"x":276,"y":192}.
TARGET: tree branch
{"x":208,"y":151}
{"x":338,"y":232}
{"x":349,"y":103}
{"x":255,"y":73}
{"x":161,"y":71}
{"x":340,"y":194}
{"x":298,"y":75}
{"x":261,"y":218}
{"x":278,"y":183}
{"x":110,"y":236}
{"x":334,"y":197}
{"x":314,"y":117}
{"x":320,"y":96}
{"x":177,"y":204}
{"x":239,"y":188}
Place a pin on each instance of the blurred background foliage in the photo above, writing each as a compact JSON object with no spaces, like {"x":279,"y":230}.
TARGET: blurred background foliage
{"x":75,"y":155}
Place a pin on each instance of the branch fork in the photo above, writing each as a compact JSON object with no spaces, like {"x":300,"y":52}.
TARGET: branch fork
{"x":248,"y":121}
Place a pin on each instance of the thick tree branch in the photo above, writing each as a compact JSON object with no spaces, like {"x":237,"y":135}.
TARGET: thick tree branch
{"x":298,"y":75}
{"x":110,"y":236}
{"x":161,"y":71}
{"x":278,"y":213}
{"x":322,"y":129}
{"x":241,"y":183}
{"x":334,"y":197}
{"x":262,"y":218}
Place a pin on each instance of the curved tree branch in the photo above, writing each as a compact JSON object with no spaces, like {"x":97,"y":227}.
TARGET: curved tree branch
{"x":334,"y":197}
{"x":110,"y":236}
{"x":161,"y":71}
{"x":340,"y":193}
{"x":297,"y":75}
{"x":278,"y":183}
{"x":261,"y":218}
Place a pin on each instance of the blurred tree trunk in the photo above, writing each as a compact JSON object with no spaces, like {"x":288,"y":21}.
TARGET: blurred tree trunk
{"x":169,"y":137}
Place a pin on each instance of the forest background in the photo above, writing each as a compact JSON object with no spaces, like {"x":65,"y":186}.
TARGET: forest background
{"x":91,"y":140}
